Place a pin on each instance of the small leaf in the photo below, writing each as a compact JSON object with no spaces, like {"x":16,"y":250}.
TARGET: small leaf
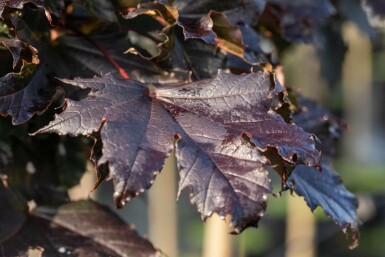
{"x":215,"y":29}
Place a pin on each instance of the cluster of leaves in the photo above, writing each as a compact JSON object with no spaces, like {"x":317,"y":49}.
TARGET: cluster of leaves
{"x":141,"y":78}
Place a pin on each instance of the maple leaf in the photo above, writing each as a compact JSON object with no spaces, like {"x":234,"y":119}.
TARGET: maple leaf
{"x":222,"y":127}
{"x":80,"y":228}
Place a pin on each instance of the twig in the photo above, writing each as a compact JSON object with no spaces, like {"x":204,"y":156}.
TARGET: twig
{"x":121,"y":71}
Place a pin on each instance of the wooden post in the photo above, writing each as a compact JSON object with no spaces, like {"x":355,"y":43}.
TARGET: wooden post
{"x":357,"y":95}
{"x":162,"y":211}
{"x":302,"y":71}
{"x":300,"y":229}
{"x":217,"y":240}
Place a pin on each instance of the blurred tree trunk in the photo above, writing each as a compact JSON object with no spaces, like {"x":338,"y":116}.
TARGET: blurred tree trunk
{"x":217,"y":240}
{"x":357,"y":95}
{"x":300,"y":229}
{"x":302,"y":72}
{"x":162,"y":211}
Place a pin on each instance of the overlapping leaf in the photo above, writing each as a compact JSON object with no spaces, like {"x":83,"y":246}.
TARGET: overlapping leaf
{"x":324,"y":188}
{"x":210,"y":26}
{"x":30,"y":91}
{"x":298,"y":20}
{"x":15,"y":47}
{"x":222,"y":127}
{"x":13,"y":211}
{"x":80,"y":228}
{"x":332,"y":53}
{"x":5,"y":155}
{"x":102,"y":9}
{"x":24,"y":94}
{"x":237,"y":11}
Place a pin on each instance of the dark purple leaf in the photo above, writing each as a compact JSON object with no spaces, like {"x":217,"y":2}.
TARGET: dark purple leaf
{"x":240,"y":11}
{"x":378,"y":6}
{"x":253,"y":54}
{"x":81,"y":229}
{"x":315,"y":119}
{"x":55,"y":7}
{"x":29,"y":92}
{"x":196,"y":56}
{"x":13,"y":211}
{"x":215,"y":29}
{"x":5,"y":155}
{"x":325,"y":189}
{"x":77,"y":55}
{"x":168,"y":13}
{"x":201,"y":28}
{"x":16,"y":46}
{"x":222,"y":126}
{"x":331,"y":53}
{"x":26,"y":93}
{"x":101,"y":9}
{"x":298,"y":21}
{"x":212,"y":27}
